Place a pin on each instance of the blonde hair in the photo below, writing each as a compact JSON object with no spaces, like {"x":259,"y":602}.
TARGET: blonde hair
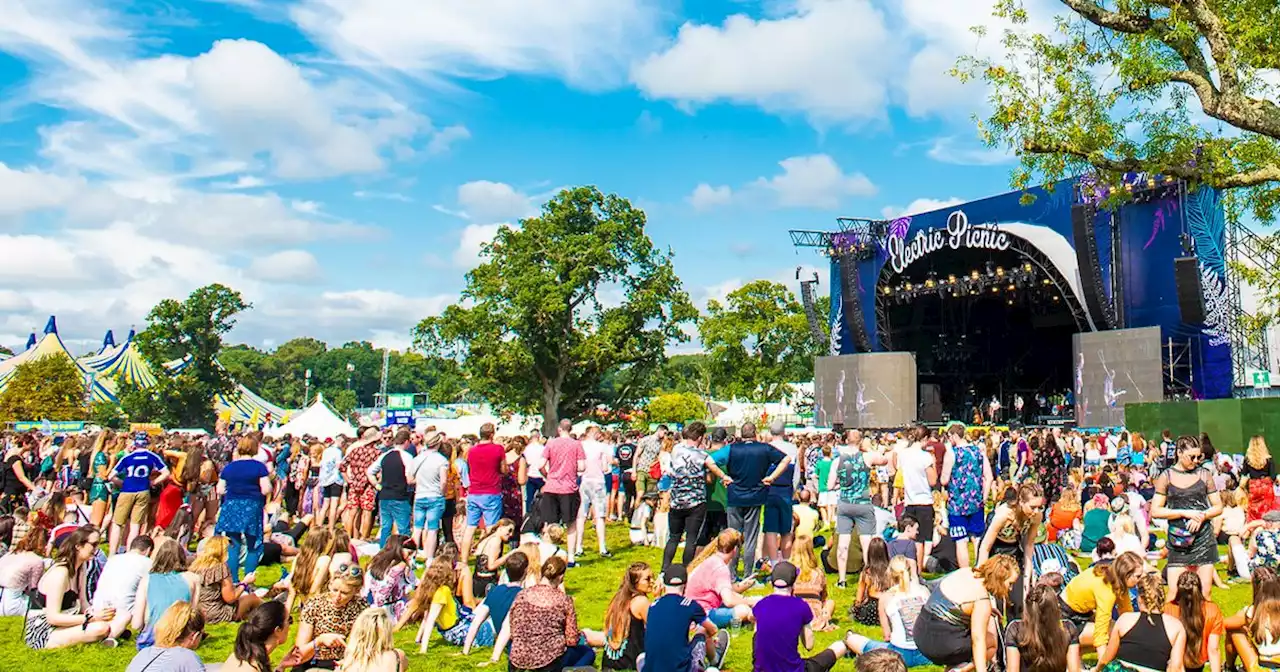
{"x":804,"y":557}
{"x":1124,"y":523}
{"x":1257,"y":454}
{"x":728,"y":541}
{"x":534,"y":555}
{"x":178,"y":622}
{"x":371,"y":636}
{"x":556,"y":534}
{"x":213,"y":554}
{"x":903,"y":574}
{"x":1150,"y":594}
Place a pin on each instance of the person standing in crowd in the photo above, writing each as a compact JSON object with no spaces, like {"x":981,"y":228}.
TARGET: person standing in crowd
{"x":670,"y":642}
{"x":95,"y":471}
{"x":535,"y":458}
{"x":783,"y":624}
{"x":330,"y":485}
{"x":626,"y":455}
{"x":134,"y":475}
{"x":966,"y":475}
{"x":1187,"y":497}
{"x":752,"y":467}
{"x":647,"y":450}
{"x":919,"y":474}
{"x":851,"y":475}
{"x":486,"y":463}
{"x":1259,"y":479}
{"x":777,"y":506}
{"x":689,"y":468}
{"x":594,"y":494}
{"x":361,"y":496}
{"x":244,"y":485}
{"x":565,"y":461}
{"x":429,"y":472}
{"x":390,"y":475}
{"x":1012,"y":532}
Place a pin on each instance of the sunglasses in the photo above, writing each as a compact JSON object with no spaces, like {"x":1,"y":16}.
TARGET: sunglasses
{"x":351,"y":570}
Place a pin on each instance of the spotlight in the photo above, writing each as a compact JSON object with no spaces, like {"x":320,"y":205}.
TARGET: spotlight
{"x":1056,"y":298}
{"x":1010,"y":288}
{"x":1010,"y":302}
{"x":1047,"y":281}
{"x":908,"y":286}
{"x":1027,"y":267}
{"x":995,"y":290}
{"x":887,"y":290}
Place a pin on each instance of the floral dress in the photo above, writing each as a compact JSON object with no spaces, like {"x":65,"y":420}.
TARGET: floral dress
{"x":1051,"y":469}
{"x":511,"y":495}
{"x":391,"y":591}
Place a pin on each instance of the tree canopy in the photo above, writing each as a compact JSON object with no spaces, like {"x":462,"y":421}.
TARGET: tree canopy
{"x":758,"y":342}
{"x":568,"y":298}
{"x":1180,"y":88}
{"x":48,"y":388}
{"x":676,"y":408}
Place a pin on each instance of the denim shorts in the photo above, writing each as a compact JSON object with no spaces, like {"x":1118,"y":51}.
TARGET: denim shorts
{"x":427,"y":513}
{"x":488,"y":505}
{"x":721,"y":616}
{"x":912,"y":657}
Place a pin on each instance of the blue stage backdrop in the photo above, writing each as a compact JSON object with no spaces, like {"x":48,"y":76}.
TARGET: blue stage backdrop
{"x":1147,"y":242}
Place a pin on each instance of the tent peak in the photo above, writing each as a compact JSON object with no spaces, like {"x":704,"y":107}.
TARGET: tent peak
{"x":51,"y":327}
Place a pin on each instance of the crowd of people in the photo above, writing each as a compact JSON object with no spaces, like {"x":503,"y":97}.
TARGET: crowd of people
{"x":969,"y":547}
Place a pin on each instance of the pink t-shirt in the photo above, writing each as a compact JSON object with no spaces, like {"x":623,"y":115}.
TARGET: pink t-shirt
{"x":484,"y":464}
{"x":706,"y":582}
{"x":21,"y":571}
{"x":563,"y":454}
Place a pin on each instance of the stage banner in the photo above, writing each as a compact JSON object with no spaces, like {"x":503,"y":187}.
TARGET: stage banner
{"x":48,"y":427}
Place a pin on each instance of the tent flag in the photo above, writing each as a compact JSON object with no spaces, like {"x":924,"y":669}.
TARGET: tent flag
{"x":132,"y":333}
{"x":31,"y":340}
{"x":109,"y":340}
{"x":51,"y":327}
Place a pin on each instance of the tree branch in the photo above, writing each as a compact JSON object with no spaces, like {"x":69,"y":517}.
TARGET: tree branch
{"x":1251,"y":178}
{"x":1210,"y":26}
{"x":1134,"y":24}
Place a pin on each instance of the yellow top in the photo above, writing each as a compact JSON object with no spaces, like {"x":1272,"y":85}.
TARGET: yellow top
{"x":1088,"y":592}
{"x":449,"y":614}
{"x":808,"y":525}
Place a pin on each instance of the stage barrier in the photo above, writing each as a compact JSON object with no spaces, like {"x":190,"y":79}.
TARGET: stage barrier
{"x":1228,"y":422}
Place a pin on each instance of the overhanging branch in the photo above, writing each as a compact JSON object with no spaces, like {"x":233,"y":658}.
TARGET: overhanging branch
{"x":1250,"y":178}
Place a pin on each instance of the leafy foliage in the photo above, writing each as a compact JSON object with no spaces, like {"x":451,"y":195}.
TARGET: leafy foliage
{"x":758,"y":342}
{"x":107,"y":414}
{"x":677,"y":407}
{"x":534,"y":333}
{"x":1181,"y":89}
{"x":5,"y":350}
{"x":48,"y":388}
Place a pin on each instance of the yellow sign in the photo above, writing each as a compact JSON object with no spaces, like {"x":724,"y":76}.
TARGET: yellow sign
{"x":152,"y":428}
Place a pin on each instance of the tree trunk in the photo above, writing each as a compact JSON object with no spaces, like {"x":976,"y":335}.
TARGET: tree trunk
{"x":550,"y":408}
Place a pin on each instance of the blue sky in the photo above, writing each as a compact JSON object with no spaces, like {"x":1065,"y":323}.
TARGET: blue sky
{"x":340,"y":161}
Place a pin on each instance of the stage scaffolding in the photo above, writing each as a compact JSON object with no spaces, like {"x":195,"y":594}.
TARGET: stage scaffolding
{"x":1249,"y":347}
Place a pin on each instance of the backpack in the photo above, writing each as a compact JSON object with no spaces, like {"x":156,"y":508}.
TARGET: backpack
{"x":85,"y":460}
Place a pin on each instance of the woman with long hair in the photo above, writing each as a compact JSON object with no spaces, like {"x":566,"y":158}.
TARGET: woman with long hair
{"x":99,"y":466}
{"x":625,"y":619}
{"x":899,"y":607}
{"x":1065,"y":514}
{"x":167,"y":582}
{"x":60,"y":615}
{"x":873,"y":581}
{"x":20,"y":571}
{"x":513,"y":480}
{"x":957,"y":625}
{"x":174,"y":489}
{"x":1091,"y":596}
{"x":390,"y":581}
{"x":1187,"y":497}
{"x":811,"y":583}
{"x":1041,"y":641}
{"x":1203,"y":622}
{"x":326,"y":619}
{"x":310,"y":567}
{"x":221,"y":599}
{"x":1259,"y":478}
{"x":489,"y":557}
{"x":178,"y":632}
{"x":1147,"y":640}
{"x":436,"y":605}
{"x":1012,"y":532}
{"x":201,"y":479}
{"x":1254,"y":631}
{"x":265,"y":629}
{"x":371,"y":646}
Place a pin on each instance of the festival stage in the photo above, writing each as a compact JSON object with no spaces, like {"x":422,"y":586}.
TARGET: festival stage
{"x":1015,"y":305}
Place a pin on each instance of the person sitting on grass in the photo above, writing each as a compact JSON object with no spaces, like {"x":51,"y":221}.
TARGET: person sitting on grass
{"x":1254,"y":632}
{"x":711,"y":581}
{"x":874,"y":580}
{"x":492,"y":613}
{"x":904,"y":543}
{"x":782,"y":625}
{"x":1202,"y":620}
{"x":625,"y":620}
{"x":61,"y":615}
{"x":221,"y":600}
{"x":436,"y":605}
{"x":542,"y":626}
{"x":1042,"y":640}
{"x":678,"y":633}
{"x":390,"y":581}
{"x":118,"y":585}
{"x":166,"y":582}
{"x":177,"y":635}
{"x":371,"y":645}
{"x":880,"y":660}
{"x":326,"y":619}
{"x":898,"y":607}
{"x":811,"y":586}
{"x":20,"y":572}
{"x":1148,"y":640}
{"x":266,"y":628}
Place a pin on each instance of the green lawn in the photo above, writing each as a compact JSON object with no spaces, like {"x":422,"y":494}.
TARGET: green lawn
{"x":592,"y":584}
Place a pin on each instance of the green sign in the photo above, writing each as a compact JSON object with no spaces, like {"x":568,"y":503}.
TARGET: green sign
{"x":399,"y":401}
{"x":1261,"y":379}
{"x":48,"y":427}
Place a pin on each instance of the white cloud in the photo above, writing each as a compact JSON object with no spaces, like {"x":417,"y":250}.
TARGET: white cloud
{"x":28,"y":190}
{"x":829,"y":60}
{"x":584,"y":42}
{"x":705,"y":196}
{"x":289,"y":266}
{"x":382,"y":195}
{"x":485,"y":201}
{"x":469,"y":247}
{"x":815,"y":181}
{"x":949,"y":150}
{"x":444,"y":140}
{"x":918,"y":206}
{"x":241,"y":182}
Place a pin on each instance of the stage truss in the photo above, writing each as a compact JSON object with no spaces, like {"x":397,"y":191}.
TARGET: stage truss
{"x":1250,"y":350}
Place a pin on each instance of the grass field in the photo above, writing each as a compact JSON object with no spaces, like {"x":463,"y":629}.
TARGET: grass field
{"x":591,"y":584}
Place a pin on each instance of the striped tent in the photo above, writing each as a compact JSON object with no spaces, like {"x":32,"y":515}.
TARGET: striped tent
{"x":51,"y":345}
{"x":115,"y":363}
{"x":244,"y":405}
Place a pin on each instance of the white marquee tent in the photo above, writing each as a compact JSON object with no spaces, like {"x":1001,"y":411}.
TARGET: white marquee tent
{"x":317,"y":420}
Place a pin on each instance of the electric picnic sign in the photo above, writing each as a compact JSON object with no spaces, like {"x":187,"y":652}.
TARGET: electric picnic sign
{"x":958,"y":234}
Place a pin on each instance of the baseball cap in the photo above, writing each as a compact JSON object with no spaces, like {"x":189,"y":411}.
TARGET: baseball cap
{"x":1271,"y":516}
{"x":784,"y":575}
{"x":1119,"y":505}
{"x":676,"y":575}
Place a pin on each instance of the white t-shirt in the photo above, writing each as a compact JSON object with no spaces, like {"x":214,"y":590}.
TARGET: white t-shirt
{"x":914,"y":462}
{"x":902,"y":611}
{"x":884,"y":520}
{"x":118,"y":585}
{"x":535,"y":456}
{"x":598,"y":457}
{"x":425,"y":469}
{"x":789,"y":449}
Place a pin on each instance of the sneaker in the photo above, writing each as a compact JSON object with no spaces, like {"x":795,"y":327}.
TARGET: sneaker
{"x":109,"y":643}
{"x":572,"y":565}
{"x":125,"y":636}
{"x":606,"y":554}
{"x":842,"y":585}
{"x":722,"y":649}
